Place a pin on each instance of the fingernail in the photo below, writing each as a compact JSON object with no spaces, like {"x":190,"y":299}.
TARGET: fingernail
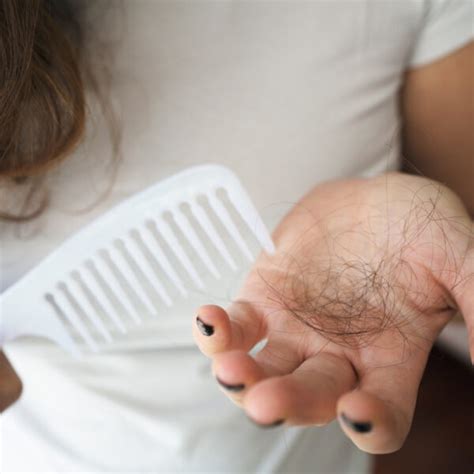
{"x":205,"y":329}
{"x":232,"y":388}
{"x":359,"y":426}
{"x":271,"y":425}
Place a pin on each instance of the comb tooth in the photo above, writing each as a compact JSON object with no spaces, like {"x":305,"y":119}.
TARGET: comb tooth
{"x":212,"y":233}
{"x":102,"y":299}
{"x":155,"y":248}
{"x":80,"y":295}
{"x":249,"y":214}
{"x":129,"y":275}
{"x":70,"y":313}
{"x":224,"y":216}
{"x":147,"y":269}
{"x":167,"y":233}
{"x":58,"y":331}
{"x":195,"y":242}
{"x":111,"y":281}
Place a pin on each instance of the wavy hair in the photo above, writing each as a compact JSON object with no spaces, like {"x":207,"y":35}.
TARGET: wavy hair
{"x":42,"y":97}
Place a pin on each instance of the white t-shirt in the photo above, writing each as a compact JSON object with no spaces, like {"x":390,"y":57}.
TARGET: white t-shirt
{"x":287,"y":94}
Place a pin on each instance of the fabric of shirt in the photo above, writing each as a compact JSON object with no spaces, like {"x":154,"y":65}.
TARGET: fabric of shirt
{"x":286,"y":94}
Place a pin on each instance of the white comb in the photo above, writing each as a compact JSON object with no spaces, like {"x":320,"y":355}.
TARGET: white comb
{"x":92,"y":281}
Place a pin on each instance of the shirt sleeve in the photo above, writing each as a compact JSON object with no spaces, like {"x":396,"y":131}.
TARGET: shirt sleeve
{"x":447,"y":25}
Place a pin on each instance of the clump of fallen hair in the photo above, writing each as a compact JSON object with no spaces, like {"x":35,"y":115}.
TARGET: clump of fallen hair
{"x":350,"y":298}
{"x":348,"y":302}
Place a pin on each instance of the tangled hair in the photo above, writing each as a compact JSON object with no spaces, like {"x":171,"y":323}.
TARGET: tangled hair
{"x":351,"y":296}
{"x":42,"y":97}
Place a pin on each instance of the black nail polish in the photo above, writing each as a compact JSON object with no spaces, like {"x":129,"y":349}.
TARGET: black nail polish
{"x":359,"y":426}
{"x":232,"y":388}
{"x":205,"y":329}
{"x":272,"y":425}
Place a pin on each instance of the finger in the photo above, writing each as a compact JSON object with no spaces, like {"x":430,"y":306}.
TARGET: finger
{"x":10,"y":384}
{"x":377,"y":415}
{"x":281,"y":355}
{"x":307,"y":396}
{"x":240,"y":327}
{"x":236,"y":371}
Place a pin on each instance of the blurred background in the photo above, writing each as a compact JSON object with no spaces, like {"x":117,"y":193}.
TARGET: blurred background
{"x":441,"y":440}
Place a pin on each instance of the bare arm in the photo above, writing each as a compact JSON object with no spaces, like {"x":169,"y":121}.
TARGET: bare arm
{"x":438,"y":116}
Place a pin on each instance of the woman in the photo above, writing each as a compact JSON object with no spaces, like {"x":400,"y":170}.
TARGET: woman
{"x":367,"y":272}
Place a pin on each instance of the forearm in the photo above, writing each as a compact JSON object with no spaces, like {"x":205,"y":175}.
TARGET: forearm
{"x":457,"y":173}
{"x":455,"y":169}
{"x":438,"y":118}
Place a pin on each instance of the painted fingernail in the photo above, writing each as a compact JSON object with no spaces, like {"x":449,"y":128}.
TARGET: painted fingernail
{"x":232,"y":388}
{"x":205,"y":329}
{"x":272,"y":425}
{"x":359,"y":426}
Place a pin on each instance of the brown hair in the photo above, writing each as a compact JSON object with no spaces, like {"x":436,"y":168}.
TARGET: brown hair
{"x":42,"y":96}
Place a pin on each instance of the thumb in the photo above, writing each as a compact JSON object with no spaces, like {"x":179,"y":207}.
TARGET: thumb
{"x":10,"y":384}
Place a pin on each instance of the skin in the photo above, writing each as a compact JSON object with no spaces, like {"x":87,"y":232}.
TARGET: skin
{"x":306,"y":378}
{"x":10,"y":388}
{"x":438,"y":114}
{"x":419,"y":235}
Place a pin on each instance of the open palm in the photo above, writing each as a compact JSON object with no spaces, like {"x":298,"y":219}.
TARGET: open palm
{"x":366,"y":275}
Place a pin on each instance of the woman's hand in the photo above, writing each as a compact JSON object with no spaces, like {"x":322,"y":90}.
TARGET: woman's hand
{"x":10,"y":384}
{"x":366,"y":275}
